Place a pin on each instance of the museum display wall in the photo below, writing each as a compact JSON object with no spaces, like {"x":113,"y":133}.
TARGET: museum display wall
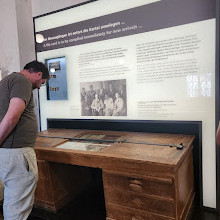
{"x":145,"y":60}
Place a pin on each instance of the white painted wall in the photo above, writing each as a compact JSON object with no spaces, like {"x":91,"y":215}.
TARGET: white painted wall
{"x":9,"y":51}
{"x":16,"y":35}
{"x":25,"y":32}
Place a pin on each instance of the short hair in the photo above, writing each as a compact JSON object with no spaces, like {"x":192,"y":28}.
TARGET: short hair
{"x":36,"y":66}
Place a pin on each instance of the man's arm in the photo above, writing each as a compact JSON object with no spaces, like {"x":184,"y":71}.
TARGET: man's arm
{"x":15,"y":109}
{"x":218,"y":135}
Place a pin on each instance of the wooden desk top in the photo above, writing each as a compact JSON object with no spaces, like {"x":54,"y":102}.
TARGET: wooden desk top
{"x":119,"y":156}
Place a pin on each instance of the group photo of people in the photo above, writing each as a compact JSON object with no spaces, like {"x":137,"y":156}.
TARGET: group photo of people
{"x":104,"y":98}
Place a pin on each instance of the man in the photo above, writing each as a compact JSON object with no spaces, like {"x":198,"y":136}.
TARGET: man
{"x":119,"y":109}
{"x":101,"y":91}
{"x":122,"y":92}
{"x":111,"y":91}
{"x":109,"y":105}
{"x":218,"y":135}
{"x":83,"y":94}
{"x":18,"y":131}
{"x":97,"y":106}
{"x":91,"y":94}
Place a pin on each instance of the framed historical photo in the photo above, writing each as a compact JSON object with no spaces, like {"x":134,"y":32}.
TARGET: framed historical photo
{"x":57,"y":85}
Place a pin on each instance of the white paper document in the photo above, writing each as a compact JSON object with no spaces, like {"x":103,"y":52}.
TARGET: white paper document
{"x":83,"y":146}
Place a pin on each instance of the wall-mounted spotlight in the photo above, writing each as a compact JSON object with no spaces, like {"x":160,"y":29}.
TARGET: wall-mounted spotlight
{"x":39,"y":38}
{"x":52,"y":70}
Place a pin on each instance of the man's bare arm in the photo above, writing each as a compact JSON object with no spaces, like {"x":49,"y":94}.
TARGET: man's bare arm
{"x":15,"y":109}
{"x":218,"y":135}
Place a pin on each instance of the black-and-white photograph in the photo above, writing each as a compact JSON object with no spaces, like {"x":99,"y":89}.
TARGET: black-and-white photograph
{"x":104,"y":98}
{"x":55,"y":65}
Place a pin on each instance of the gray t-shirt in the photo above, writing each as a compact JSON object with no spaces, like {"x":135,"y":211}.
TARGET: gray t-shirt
{"x":25,"y":132}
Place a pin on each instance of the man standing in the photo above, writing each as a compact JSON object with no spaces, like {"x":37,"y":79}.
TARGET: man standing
{"x":101,"y":91}
{"x":91,"y":94}
{"x":18,"y":132}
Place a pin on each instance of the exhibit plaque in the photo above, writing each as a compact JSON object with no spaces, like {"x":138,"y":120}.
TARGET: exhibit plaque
{"x":57,"y":85}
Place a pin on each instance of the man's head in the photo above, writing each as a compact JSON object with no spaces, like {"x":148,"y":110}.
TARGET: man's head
{"x":36,"y":66}
{"x":83,"y":90}
{"x":37,"y":73}
{"x":121,"y":87}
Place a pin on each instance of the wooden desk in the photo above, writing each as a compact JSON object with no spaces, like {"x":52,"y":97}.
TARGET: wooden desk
{"x":141,"y":181}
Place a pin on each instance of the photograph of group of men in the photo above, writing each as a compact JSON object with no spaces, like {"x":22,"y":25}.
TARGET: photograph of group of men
{"x":104,"y":98}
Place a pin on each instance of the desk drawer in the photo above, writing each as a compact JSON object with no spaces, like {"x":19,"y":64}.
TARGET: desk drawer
{"x":146,"y":185}
{"x":142,"y":202}
{"x":115,"y":212}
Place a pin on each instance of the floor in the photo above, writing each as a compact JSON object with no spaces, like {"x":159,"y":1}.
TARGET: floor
{"x":200,"y":214}
{"x":91,"y":213}
{"x":90,"y":206}
{"x":84,"y":209}
{"x":197,"y":215}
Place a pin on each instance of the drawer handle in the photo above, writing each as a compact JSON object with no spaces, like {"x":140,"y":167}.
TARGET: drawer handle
{"x":136,"y":182}
{"x":135,"y":187}
{"x":137,"y":218}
